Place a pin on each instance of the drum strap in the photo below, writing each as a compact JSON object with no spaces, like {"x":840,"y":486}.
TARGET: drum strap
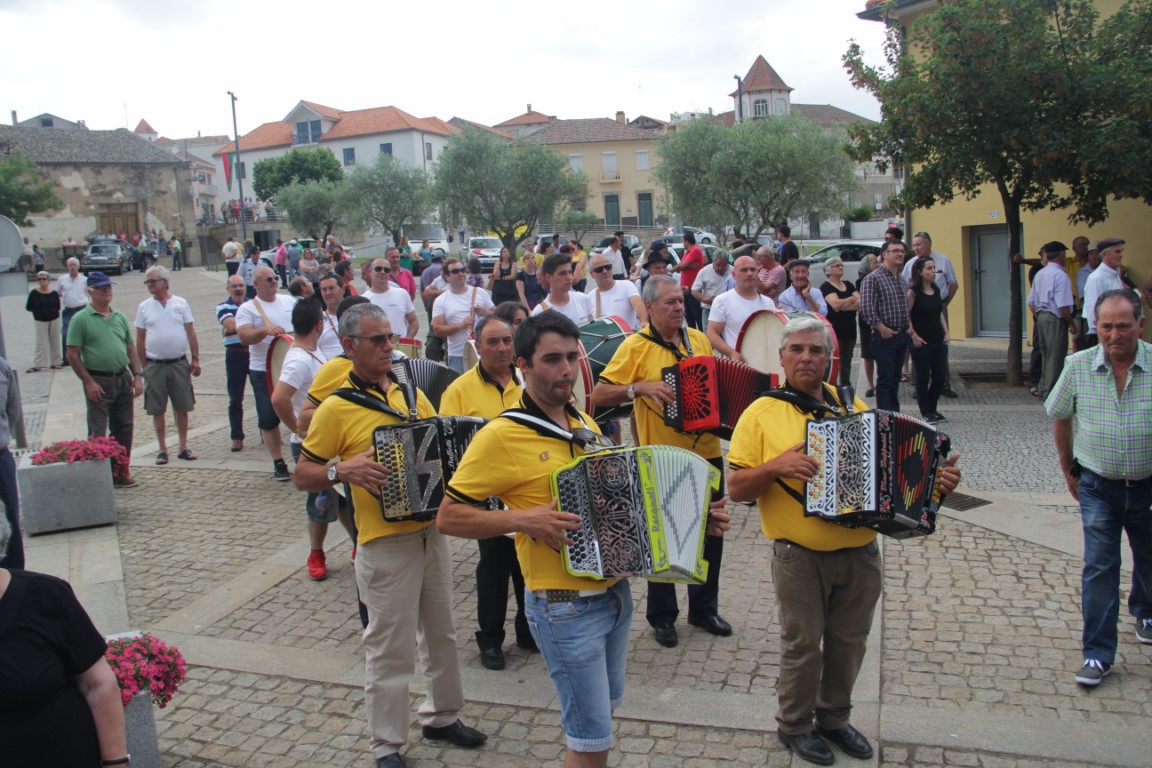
{"x":263,"y":314}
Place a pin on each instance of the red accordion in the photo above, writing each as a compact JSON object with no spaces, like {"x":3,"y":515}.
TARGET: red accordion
{"x":710,"y":393}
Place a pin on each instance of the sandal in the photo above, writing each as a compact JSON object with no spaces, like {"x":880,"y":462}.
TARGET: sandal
{"x":161,"y":458}
{"x":33,"y":370}
{"x":1034,"y":392}
{"x":187,"y":455}
{"x":903,"y":378}
{"x":57,"y":367}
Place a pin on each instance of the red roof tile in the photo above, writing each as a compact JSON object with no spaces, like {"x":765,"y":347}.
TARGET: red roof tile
{"x":761,"y":77}
{"x":264,"y":137}
{"x":143,"y":127}
{"x":460,"y":122}
{"x":365,"y":122}
{"x":528,"y":118}
{"x":323,"y":111}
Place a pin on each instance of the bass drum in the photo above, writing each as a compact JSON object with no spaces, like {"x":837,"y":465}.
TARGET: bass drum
{"x":759,"y":341}
{"x":276,"y":353}
{"x":411,"y":348}
{"x":599,"y":341}
{"x":471,"y":355}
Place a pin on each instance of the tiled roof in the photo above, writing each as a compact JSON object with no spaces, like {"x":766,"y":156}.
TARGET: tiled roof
{"x":365,"y":122}
{"x":587,"y":130}
{"x":323,"y":111}
{"x":826,"y":115}
{"x":726,"y":119}
{"x":461,"y":123}
{"x":264,"y":137}
{"x":195,"y":141}
{"x":528,"y":118}
{"x":51,"y":147}
{"x":143,"y":127}
{"x":761,"y":77}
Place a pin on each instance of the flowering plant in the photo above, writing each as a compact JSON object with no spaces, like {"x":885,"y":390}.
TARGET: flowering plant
{"x":146,"y":663}
{"x":95,"y":449}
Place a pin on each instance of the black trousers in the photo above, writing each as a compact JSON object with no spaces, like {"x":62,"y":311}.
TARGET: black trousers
{"x":703,"y":599}
{"x":236,"y":376}
{"x":497,"y":564}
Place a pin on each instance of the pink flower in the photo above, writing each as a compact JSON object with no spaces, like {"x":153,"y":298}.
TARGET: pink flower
{"x":146,"y":663}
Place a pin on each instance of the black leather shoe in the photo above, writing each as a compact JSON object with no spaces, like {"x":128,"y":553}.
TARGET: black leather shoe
{"x":492,"y":658}
{"x":809,"y":746}
{"x":848,"y":739}
{"x":393,"y":760}
{"x":713,"y":624}
{"x":949,"y":392}
{"x":457,"y":733}
{"x":666,"y":635}
{"x":528,"y":644}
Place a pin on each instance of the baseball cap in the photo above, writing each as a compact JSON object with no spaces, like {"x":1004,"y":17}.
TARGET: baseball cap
{"x":99,"y":280}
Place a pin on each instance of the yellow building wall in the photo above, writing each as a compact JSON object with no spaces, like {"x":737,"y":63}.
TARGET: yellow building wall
{"x":951,"y":228}
{"x":632,"y":180}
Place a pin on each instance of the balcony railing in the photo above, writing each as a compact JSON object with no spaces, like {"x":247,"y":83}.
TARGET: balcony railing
{"x":609,"y":176}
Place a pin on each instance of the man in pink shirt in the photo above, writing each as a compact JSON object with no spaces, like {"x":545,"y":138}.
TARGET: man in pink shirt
{"x":690,"y":266}
{"x":399,"y":275}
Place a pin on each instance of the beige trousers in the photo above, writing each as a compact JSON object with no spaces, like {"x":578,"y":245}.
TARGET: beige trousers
{"x":47,"y":343}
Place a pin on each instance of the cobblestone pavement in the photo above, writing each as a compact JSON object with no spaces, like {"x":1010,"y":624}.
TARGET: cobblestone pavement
{"x":970,"y":662}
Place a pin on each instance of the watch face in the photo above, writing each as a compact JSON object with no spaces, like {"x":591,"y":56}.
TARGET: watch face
{"x":332,"y":473}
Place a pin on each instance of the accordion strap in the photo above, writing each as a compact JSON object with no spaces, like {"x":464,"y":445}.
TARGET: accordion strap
{"x":547,"y":428}
{"x":658,"y":340}
{"x":365,"y":400}
{"x":804,"y":402}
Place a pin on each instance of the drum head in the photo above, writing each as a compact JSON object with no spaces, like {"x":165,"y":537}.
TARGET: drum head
{"x":471,"y":355}
{"x":759,"y":341}
{"x":583,"y":384}
{"x":276,"y":353}
{"x":599,"y":341}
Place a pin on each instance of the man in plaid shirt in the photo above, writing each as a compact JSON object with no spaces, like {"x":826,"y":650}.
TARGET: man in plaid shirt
{"x":1107,"y":465}
{"x":884,"y":308}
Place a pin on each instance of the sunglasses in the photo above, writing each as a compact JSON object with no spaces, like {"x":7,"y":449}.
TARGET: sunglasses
{"x":456,"y":271}
{"x":271,"y":279}
{"x":598,"y":270}
{"x":152,"y":282}
{"x":41,"y":278}
{"x":379,"y":341}
{"x":381,"y":269}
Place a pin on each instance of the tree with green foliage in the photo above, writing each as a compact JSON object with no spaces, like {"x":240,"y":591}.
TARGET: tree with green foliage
{"x":1035,"y":98}
{"x":314,"y":206}
{"x":504,"y":188}
{"x":390,"y":195}
{"x":271,"y":175}
{"x":757,"y":174}
{"x":577,"y":222}
{"x":22,"y":191}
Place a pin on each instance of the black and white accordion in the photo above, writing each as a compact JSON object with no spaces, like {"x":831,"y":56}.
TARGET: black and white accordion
{"x":430,"y":377}
{"x":877,"y":470}
{"x":710,"y":393}
{"x":644,"y":512}
{"x":421,"y":457}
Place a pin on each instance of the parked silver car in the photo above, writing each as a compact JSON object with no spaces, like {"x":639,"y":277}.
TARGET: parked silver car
{"x":851,"y":252}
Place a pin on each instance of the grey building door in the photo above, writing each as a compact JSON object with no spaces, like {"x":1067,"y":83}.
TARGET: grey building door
{"x":991,"y":292}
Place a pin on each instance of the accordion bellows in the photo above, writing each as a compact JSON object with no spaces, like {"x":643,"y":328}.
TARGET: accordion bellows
{"x":710,"y":393}
{"x":643,"y":512}
{"x":421,"y":457}
{"x":877,"y":470}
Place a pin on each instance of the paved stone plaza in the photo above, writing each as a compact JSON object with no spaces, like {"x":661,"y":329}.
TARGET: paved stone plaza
{"x":970,"y":661}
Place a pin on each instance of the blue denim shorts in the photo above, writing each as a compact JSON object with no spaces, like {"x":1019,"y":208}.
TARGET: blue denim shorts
{"x":585,"y":647}
{"x":315,"y":515}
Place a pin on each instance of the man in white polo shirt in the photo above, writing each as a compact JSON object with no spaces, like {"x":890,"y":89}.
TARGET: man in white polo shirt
{"x":73,"y":290}
{"x":732,"y":308}
{"x":167,"y":334}
{"x":393,"y":299}
{"x":456,"y":310}
{"x":615,"y":297}
{"x":258,"y":321}
{"x":711,"y":281}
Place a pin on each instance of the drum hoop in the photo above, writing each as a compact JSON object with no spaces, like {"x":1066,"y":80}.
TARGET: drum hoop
{"x":269,"y":379}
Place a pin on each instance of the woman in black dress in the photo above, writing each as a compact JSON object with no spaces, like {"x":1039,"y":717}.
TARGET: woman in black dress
{"x":843,"y":304}
{"x":59,"y":700}
{"x":502,"y":283}
{"x":528,"y":286}
{"x":929,"y":338}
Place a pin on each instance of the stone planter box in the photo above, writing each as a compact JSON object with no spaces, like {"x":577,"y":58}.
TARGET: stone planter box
{"x":60,"y":497}
{"x":140,"y":730}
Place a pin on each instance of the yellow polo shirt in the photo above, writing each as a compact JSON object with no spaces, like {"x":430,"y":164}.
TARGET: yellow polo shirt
{"x":341,"y":429}
{"x":639,"y":359}
{"x":516,"y":463}
{"x":476,"y":394}
{"x":767,"y":429}
{"x":331,"y":376}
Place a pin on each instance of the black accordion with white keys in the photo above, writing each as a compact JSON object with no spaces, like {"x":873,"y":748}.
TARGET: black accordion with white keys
{"x":421,"y":457}
{"x":877,"y":470}
{"x":644,"y":512}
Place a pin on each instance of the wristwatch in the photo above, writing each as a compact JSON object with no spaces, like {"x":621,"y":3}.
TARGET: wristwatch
{"x":631,"y":391}
{"x":332,"y":473}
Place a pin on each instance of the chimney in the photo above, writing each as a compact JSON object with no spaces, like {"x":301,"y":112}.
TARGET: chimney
{"x":527,"y":110}
{"x":14,"y":120}
{"x":620,"y":116}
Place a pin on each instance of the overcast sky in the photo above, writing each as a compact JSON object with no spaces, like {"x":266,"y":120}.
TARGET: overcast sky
{"x":172,"y":62}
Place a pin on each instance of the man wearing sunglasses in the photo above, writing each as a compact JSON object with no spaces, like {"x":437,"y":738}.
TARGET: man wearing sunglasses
{"x":455,"y":311}
{"x":404,"y":568}
{"x":393,"y":299}
{"x":258,"y":322}
{"x":615,"y":297}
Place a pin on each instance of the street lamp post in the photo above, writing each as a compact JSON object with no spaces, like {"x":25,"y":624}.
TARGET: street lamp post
{"x":239,"y":173}
{"x":739,"y":100}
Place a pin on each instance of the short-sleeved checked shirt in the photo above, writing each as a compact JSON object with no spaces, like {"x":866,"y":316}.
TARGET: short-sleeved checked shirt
{"x":1113,"y":434}
{"x":883,"y":300}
